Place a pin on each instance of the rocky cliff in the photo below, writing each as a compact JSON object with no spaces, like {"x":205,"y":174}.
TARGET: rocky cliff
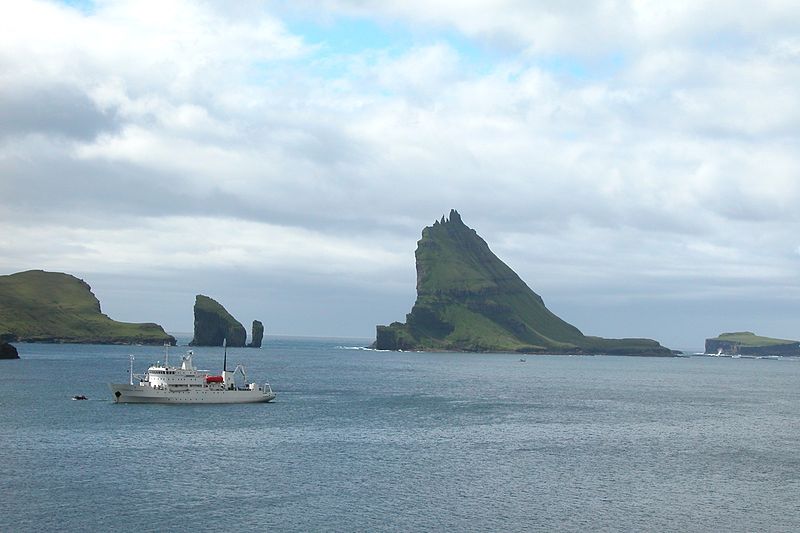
{"x":258,"y":335}
{"x":213,"y":324}
{"x":748,"y":343}
{"x":39,"y":306}
{"x":7,"y":351}
{"x":469,"y":300}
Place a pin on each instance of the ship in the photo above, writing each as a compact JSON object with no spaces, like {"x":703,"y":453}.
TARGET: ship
{"x":188,"y":384}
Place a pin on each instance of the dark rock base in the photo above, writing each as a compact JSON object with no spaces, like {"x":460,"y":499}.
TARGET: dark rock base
{"x":8,"y":351}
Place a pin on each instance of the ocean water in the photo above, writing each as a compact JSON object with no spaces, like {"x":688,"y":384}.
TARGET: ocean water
{"x":360,"y":440}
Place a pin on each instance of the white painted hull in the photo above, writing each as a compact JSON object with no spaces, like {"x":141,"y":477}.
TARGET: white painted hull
{"x":146,"y":394}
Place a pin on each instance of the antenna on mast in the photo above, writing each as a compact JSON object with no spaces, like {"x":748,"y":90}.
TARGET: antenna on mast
{"x":225,"y":357}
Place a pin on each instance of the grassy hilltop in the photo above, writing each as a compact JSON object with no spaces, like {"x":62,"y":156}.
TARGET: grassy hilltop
{"x":39,"y":306}
{"x":747,"y":338}
{"x":469,"y":300}
{"x":748,"y":343}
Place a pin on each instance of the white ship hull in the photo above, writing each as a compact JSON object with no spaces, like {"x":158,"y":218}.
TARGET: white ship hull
{"x":126,"y":393}
{"x":187,"y":384}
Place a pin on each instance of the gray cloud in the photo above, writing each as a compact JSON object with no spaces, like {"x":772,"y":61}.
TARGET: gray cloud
{"x":278,"y":172}
{"x":53,"y":109}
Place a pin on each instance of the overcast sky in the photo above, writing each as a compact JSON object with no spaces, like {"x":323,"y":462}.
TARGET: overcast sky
{"x":636,"y":162}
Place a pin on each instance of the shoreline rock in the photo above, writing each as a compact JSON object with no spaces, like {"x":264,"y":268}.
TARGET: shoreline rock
{"x":8,"y":351}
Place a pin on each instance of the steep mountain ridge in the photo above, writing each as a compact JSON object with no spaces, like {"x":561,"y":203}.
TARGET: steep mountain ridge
{"x":469,"y":300}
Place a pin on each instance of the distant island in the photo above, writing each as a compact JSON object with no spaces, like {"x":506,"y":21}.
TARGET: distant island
{"x":214,"y":325}
{"x":39,"y":306}
{"x":748,"y":343}
{"x":469,"y":300}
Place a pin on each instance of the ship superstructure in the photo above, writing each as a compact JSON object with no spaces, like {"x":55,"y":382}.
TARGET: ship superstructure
{"x":187,"y":384}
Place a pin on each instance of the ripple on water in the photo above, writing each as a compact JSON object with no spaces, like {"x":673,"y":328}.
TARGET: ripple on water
{"x":366,"y":440}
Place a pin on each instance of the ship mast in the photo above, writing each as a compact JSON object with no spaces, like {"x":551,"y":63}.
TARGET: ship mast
{"x":166,"y":354}
{"x":130,"y":371}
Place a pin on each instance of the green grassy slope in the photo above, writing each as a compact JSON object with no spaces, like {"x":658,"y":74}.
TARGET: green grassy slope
{"x":746,"y":338}
{"x":44,"y":306}
{"x":469,"y":300}
{"x":747,"y":343}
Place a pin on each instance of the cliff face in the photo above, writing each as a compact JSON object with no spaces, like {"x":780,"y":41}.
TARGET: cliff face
{"x":213,"y":325}
{"x":7,"y":351}
{"x":469,"y":300}
{"x":747,"y":343}
{"x":258,"y":334}
{"x":39,"y":306}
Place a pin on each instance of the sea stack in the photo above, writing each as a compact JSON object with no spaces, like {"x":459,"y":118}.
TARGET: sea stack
{"x":258,"y":334}
{"x":469,"y":300}
{"x":213,"y":325}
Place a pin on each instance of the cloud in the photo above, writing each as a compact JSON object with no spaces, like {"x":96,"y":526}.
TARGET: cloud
{"x":179,"y":44}
{"x":592,"y":142}
{"x":174,"y":247}
{"x":52,"y":110}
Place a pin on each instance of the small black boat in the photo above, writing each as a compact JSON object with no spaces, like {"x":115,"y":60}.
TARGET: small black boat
{"x":80,"y":397}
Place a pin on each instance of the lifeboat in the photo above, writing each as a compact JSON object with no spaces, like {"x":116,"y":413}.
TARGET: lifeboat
{"x":214,"y":379}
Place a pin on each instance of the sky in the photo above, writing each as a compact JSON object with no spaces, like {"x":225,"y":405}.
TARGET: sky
{"x":636,"y":162}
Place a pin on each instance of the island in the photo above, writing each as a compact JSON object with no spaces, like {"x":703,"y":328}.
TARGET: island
{"x":748,"y":343}
{"x":40,"y":306}
{"x":214,"y":325}
{"x":468,"y":300}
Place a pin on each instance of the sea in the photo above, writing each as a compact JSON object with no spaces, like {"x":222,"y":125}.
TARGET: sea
{"x":362,"y":440}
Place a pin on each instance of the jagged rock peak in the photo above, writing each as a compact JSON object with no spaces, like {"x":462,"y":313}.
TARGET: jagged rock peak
{"x":453,"y":218}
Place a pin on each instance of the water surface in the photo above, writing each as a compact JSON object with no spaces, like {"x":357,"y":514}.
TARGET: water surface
{"x":383,"y":441}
